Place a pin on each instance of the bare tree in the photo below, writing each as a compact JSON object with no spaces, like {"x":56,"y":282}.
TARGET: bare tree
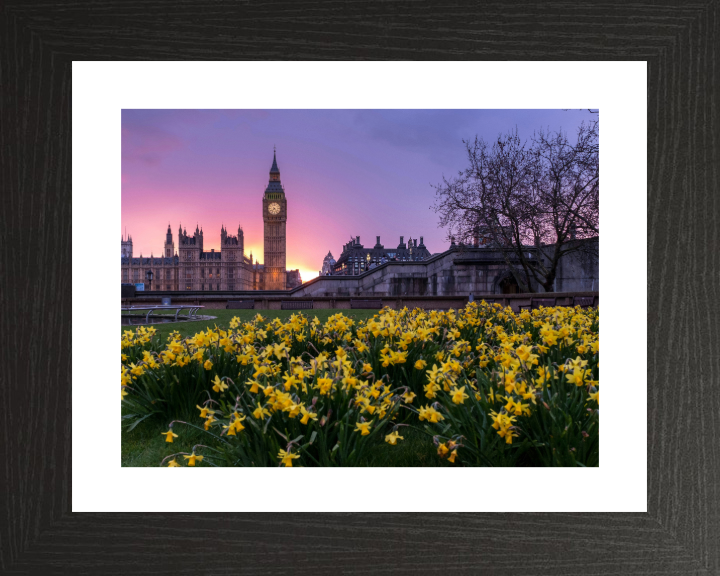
{"x":534,"y":202}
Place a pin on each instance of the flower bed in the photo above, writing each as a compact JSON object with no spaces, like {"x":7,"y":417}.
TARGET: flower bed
{"x":487,"y":386}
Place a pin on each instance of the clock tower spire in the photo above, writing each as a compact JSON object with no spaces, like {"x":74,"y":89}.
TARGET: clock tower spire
{"x":274,"y":219}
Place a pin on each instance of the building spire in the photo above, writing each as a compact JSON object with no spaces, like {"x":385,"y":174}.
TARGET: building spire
{"x":274,"y":169}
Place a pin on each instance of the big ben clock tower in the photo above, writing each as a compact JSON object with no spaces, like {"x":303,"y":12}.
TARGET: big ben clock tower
{"x":274,"y":217}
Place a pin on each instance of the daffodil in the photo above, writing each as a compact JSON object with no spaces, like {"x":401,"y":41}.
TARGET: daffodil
{"x":577,"y":376}
{"x":219,"y":385}
{"x":169,"y":435}
{"x":204,"y":412}
{"x":287,"y":458}
{"x":363,"y":428}
{"x":307,"y":416}
{"x":325,"y":385}
{"x":420,"y":364}
{"x":259,"y":413}
{"x":173,"y":464}
{"x":430,"y":414}
{"x":193,"y":458}
{"x":393,"y":437}
{"x":458,"y":395}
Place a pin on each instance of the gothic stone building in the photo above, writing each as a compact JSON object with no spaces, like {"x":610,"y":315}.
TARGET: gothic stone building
{"x":355,"y":258}
{"x":193,"y":268}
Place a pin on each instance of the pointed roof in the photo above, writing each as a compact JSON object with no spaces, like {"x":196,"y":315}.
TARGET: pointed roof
{"x":274,"y":169}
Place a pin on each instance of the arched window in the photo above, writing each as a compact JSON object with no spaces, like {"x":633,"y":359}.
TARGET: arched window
{"x":509,"y":285}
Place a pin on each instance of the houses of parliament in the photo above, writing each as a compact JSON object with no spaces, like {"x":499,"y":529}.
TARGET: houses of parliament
{"x":190,"y":267}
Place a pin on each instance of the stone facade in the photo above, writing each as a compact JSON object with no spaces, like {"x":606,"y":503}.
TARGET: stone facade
{"x":356,"y":258}
{"x":191,"y":268}
{"x":461,"y":270}
{"x":293,"y":279}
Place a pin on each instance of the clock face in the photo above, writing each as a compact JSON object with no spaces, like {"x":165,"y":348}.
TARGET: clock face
{"x":274,"y":208}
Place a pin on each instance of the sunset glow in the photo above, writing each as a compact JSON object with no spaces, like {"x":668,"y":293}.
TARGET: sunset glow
{"x":346,"y":173}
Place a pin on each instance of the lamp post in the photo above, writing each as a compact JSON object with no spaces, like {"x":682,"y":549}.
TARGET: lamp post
{"x":149,"y":277}
{"x":367,"y":266}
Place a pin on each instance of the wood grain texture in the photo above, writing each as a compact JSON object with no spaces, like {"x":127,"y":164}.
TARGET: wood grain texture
{"x":680,"y":534}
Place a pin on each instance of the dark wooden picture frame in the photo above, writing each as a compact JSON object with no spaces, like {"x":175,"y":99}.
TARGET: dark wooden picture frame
{"x":680,"y":533}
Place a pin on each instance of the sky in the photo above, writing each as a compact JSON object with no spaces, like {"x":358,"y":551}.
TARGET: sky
{"x":346,"y":173}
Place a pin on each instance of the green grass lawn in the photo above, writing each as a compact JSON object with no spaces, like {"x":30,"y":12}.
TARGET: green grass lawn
{"x":145,"y":446}
{"x":224,"y":317}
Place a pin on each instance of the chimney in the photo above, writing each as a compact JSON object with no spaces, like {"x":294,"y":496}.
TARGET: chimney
{"x":401,"y":239}
{"x":357,"y":239}
{"x":378,"y":239}
{"x":421,"y":240}
{"x":415,"y":243}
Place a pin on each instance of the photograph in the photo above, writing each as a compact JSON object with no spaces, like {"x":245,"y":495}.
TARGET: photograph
{"x":376,"y":288}
{"x":360,"y":241}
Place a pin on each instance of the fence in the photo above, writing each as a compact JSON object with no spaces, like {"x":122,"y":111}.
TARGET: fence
{"x":274,"y":301}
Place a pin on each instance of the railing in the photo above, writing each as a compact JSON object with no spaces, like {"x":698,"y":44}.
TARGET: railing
{"x":192,"y":310}
{"x":273,"y":300}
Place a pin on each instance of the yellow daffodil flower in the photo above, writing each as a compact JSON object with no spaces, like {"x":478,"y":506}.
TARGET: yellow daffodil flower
{"x":193,"y":458}
{"x":393,"y":437}
{"x":169,"y":435}
{"x":363,"y":428}
{"x":430,"y":414}
{"x":287,"y":458}
{"x":307,"y":415}
{"x":219,"y":385}
{"x":204,"y":412}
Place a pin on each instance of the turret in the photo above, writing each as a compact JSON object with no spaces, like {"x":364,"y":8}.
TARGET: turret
{"x":126,"y":247}
{"x":169,"y":247}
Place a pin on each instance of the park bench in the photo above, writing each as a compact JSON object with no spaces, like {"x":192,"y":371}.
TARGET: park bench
{"x":374,"y":304}
{"x":192,"y":310}
{"x":296,"y":305}
{"x":240,"y":305}
{"x":583,"y":301}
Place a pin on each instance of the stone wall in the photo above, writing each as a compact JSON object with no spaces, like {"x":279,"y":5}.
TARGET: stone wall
{"x":578,"y":271}
{"x":458,"y":271}
{"x":455,"y":272}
